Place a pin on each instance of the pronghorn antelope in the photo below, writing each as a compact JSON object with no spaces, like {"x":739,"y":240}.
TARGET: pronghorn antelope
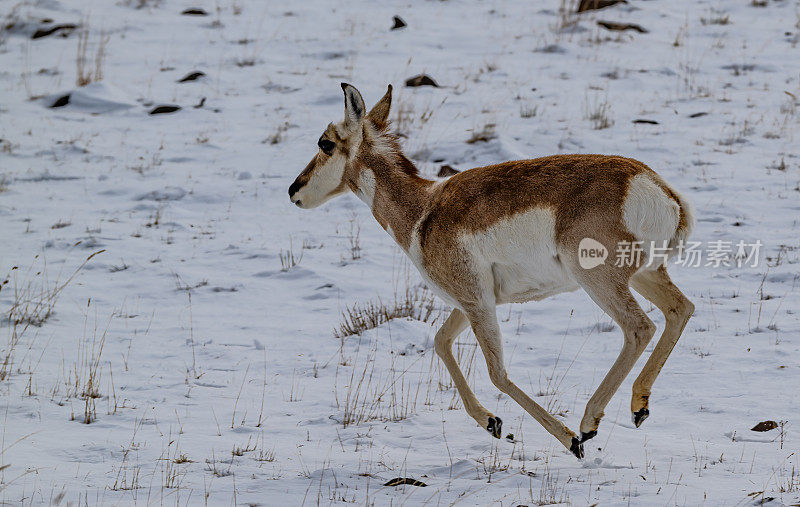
{"x":511,"y":233}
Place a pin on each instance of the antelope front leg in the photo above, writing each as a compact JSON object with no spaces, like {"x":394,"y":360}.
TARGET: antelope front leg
{"x":453,"y":326}
{"x":487,"y":331}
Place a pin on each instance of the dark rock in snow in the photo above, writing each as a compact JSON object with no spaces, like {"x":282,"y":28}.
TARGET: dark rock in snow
{"x":698,"y":115}
{"x":44,"y":32}
{"x":447,"y":170}
{"x":61,"y":101}
{"x":398,"y":23}
{"x":421,"y":80}
{"x":165,"y":109}
{"x":621,"y":27}
{"x":192,"y":76}
{"x":194,"y":11}
{"x":399,"y":481}
{"x":590,"y":5}
{"x":166,"y":194}
{"x":764,"y":426}
{"x":648,"y":122}
{"x":552,"y":48}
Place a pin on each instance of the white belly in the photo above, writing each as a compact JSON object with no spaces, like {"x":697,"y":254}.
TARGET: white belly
{"x":517,"y":283}
{"x":521,"y":253}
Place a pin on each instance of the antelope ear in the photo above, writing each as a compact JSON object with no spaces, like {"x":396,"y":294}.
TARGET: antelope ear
{"x":380,"y":111}
{"x":354,"y":108}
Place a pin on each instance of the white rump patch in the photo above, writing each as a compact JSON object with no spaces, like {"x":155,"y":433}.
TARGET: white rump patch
{"x":648,"y":212}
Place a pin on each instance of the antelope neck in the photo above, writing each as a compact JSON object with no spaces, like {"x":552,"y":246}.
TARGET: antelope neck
{"x":398,"y":199}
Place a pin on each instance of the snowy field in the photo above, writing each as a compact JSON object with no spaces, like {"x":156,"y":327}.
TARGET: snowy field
{"x":199,"y":355}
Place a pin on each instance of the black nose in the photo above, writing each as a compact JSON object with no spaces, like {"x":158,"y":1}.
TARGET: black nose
{"x":294,"y":187}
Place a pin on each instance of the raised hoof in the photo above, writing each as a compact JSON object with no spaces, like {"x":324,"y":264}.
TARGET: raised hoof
{"x":588,"y":436}
{"x":577,"y":448}
{"x":495,"y":426}
{"x":639,"y":416}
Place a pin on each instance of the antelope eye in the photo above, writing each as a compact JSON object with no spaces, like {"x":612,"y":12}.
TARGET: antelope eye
{"x":326,"y":145}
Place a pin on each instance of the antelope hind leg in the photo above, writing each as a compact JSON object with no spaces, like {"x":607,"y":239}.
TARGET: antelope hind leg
{"x":656,"y":287}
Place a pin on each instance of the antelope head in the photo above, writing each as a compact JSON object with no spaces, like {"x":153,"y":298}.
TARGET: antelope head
{"x":332,"y":170}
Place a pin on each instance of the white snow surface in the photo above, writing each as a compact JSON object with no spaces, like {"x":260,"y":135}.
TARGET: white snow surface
{"x":217,"y":377}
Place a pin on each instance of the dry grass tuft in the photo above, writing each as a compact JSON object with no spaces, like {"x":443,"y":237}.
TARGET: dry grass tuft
{"x":484,"y":135}
{"x":277,"y":136}
{"x":416,"y":303}
{"x":85,"y":74}
{"x":288,"y":259}
{"x":716,"y":17}
{"x":354,"y":239}
{"x":551,"y":491}
{"x":213,"y":466}
{"x":83,"y":380}
{"x":598,"y":113}
{"x":32,"y":303}
{"x":528,"y":111}
{"x":376,"y":395}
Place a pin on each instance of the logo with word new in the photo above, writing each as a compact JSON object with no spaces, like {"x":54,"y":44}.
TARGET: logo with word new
{"x":591,"y":253}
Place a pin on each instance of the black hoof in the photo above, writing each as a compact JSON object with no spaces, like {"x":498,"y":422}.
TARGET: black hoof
{"x":588,"y":436}
{"x":495,"y":426}
{"x":577,"y":448}
{"x":640,"y":416}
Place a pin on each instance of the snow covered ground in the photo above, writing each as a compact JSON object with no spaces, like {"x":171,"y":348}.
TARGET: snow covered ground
{"x":200,"y":344}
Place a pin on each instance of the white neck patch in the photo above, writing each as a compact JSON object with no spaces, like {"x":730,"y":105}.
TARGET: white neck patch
{"x":366,"y":187}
